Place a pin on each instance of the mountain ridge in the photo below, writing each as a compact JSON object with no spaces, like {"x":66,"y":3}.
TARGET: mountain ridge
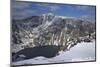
{"x":42,"y":30}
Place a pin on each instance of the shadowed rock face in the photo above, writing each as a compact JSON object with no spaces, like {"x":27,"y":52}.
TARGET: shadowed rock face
{"x":45,"y":51}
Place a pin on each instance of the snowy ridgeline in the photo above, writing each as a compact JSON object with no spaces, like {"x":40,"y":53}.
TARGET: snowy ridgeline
{"x":84,"y":51}
{"x":49,"y":29}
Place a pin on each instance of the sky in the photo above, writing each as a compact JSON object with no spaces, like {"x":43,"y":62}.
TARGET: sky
{"x":21,"y":10}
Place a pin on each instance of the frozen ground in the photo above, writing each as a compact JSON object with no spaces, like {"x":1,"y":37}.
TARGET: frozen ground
{"x":81,"y":52}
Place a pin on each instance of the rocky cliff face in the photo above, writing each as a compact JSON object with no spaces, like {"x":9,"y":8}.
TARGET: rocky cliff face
{"x":49,"y":29}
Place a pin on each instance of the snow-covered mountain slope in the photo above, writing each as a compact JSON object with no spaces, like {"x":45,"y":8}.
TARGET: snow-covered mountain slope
{"x":48,"y":29}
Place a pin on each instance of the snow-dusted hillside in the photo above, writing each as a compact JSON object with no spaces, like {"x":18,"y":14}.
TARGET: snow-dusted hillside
{"x":48,"y":29}
{"x":84,"y":51}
